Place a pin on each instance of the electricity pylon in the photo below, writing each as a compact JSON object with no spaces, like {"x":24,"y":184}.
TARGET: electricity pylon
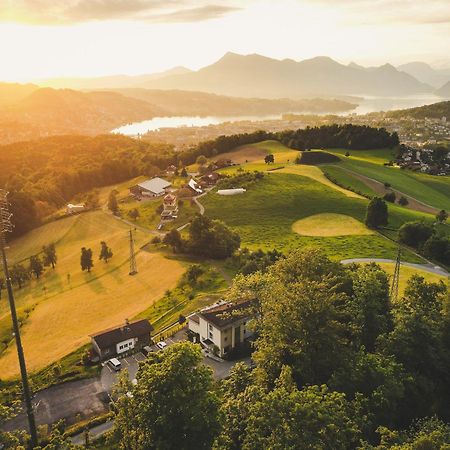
{"x":133,"y":266}
{"x":395,"y":280}
{"x":6,"y":226}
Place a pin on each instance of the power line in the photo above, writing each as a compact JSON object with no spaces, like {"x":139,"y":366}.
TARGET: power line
{"x":6,"y":226}
{"x":395,"y":280}
{"x":133,"y":266}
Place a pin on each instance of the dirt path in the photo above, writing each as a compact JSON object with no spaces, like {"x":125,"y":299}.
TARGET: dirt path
{"x":379,"y":188}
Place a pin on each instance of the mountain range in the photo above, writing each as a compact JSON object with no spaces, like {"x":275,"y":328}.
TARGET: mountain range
{"x":426,"y":74}
{"x":263,"y":77}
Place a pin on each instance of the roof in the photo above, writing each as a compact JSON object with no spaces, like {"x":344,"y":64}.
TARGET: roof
{"x":194,"y":186}
{"x":194,"y":318}
{"x":113,"y":336}
{"x":155,"y":185}
{"x":226,"y":314}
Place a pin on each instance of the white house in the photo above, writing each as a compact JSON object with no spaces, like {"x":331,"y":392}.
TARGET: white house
{"x":195,"y":186}
{"x":223,"y":326}
{"x":151,"y":188}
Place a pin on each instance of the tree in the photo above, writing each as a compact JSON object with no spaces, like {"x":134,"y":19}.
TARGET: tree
{"x":173,"y":405}
{"x":414,"y":234}
{"x":36,"y":266}
{"x":389,"y":197}
{"x":86,"y":259}
{"x":105,"y":252}
{"x":113,"y":206}
{"x":371,"y":303}
{"x":442,"y":216}
{"x":377,"y":213}
{"x":2,"y":286}
{"x":212,"y":238}
{"x":269,"y":159}
{"x":403,"y":201}
{"x":193,"y":273}
{"x":134,"y":213}
{"x":19,"y":275}
{"x":184,"y":173}
{"x":50,"y":257}
{"x":201,"y":160}
{"x":173,"y":238}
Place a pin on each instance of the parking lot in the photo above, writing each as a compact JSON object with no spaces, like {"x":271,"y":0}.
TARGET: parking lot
{"x":109,"y":376}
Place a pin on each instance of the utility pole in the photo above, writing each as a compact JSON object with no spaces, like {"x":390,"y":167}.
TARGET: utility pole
{"x":133,"y":267}
{"x":395,"y":280}
{"x":6,"y":227}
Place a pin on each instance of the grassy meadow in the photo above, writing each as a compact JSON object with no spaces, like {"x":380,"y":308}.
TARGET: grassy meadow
{"x":60,"y":310}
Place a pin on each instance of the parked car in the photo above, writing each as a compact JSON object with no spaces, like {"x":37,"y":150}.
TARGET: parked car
{"x":162,"y":345}
{"x":146,"y":350}
{"x":115,"y":364}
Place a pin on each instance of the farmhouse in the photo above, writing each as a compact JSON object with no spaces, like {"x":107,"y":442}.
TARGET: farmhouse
{"x":194,"y":186}
{"x":209,"y":179}
{"x":170,"y":205}
{"x":222,"y":327}
{"x":114,"y":341}
{"x":151,"y":188}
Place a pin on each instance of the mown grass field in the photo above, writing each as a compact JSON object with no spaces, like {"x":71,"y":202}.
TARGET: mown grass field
{"x":60,"y":310}
{"x":429,"y":189}
{"x":330,"y":224}
{"x":264,"y":216}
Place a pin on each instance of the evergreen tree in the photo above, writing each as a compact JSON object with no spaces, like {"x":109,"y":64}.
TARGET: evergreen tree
{"x":113,"y":206}
{"x":86,"y":259}
{"x":442,"y":216}
{"x":105,"y":252}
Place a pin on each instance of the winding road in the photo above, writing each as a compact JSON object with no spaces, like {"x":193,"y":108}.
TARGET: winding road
{"x":437,"y":270}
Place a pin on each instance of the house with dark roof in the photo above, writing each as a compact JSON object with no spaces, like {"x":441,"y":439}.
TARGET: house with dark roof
{"x":126,"y":337}
{"x":223,"y":326}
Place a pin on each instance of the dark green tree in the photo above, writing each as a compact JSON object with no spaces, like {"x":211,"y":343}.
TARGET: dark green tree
{"x":403,"y":201}
{"x":415,"y":234}
{"x":442,"y":216}
{"x":184,"y":173}
{"x":133,"y":213}
{"x":269,"y":159}
{"x":50,"y":257}
{"x":113,"y":206}
{"x":86,"y":259}
{"x":173,"y":238}
{"x":105,"y":252}
{"x":36,"y":267}
{"x":2,"y":286}
{"x":377,"y":213}
{"x":193,"y":273}
{"x":19,"y":275}
{"x":173,"y":405}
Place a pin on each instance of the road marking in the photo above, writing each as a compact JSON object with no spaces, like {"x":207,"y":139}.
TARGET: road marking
{"x":125,"y":360}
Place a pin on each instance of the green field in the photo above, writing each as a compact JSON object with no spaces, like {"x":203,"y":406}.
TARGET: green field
{"x":431,"y":190}
{"x":264,"y":216}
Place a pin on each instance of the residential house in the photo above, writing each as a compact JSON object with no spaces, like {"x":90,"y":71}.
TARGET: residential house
{"x":170,"y":207}
{"x":151,"y":188}
{"x":222,"y":327}
{"x":74,"y":209}
{"x":114,"y":341}
{"x":194,"y":186}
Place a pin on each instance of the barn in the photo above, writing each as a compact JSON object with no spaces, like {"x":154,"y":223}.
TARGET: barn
{"x":151,"y":188}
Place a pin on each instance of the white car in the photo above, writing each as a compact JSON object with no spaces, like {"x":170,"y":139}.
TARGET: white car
{"x":162,"y":345}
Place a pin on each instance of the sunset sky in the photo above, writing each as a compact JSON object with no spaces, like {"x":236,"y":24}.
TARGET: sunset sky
{"x":48,"y":38}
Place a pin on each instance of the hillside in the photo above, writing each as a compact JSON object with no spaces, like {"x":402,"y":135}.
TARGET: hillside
{"x":444,"y":91}
{"x":259,"y":76}
{"x":433,"y":111}
{"x":11,"y":93}
{"x":49,"y":111}
{"x":179,"y":103}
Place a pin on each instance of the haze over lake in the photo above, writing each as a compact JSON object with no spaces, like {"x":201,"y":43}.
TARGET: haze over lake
{"x":366,"y":105}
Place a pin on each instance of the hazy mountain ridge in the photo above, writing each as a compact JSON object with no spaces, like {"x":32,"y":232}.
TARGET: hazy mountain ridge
{"x":426,"y":74}
{"x":444,"y":91}
{"x":260,"y":76}
{"x":434,"y":111}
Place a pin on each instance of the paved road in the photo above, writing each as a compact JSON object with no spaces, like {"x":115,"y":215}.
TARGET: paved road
{"x":426,"y":267}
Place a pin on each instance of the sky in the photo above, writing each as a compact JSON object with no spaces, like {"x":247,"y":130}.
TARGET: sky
{"x":53,"y":38}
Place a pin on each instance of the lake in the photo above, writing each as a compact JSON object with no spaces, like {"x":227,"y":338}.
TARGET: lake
{"x":366,"y":105}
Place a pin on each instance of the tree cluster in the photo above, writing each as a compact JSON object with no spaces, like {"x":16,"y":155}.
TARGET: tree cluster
{"x":425,"y":238}
{"x":240,"y":180}
{"x":207,"y":237}
{"x":339,"y":136}
{"x":338,"y":366}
